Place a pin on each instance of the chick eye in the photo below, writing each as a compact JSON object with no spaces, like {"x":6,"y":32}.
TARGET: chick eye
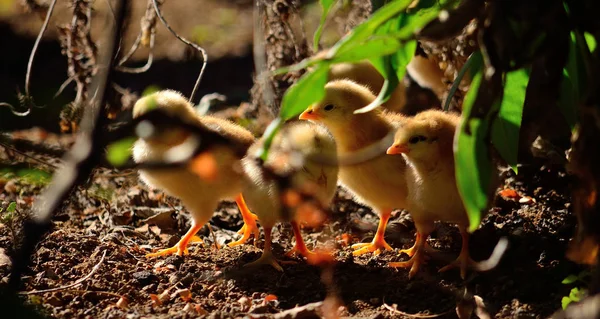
{"x":416,"y":139}
{"x":328,"y":107}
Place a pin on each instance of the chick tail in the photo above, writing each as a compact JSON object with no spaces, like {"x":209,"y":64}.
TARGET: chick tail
{"x":299,"y":246}
{"x":249,"y":228}
{"x":181,"y":247}
{"x":464,"y":259}
{"x":378,"y":242}
{"x":267,"y":257}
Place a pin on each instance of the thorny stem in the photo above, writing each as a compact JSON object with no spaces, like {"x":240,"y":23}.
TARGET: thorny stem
{"x":193,"y":45}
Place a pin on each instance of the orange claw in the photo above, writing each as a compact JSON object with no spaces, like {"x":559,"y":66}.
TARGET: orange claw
{"x":299,"y":246}
{"x":417,"y":253}
{"x":464,"y":260}
{"x":378,"y":241}
{"x":181,"y":247}
{"x":249,"y":227}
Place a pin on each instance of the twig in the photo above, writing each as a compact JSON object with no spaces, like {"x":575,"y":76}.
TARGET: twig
{"x":77,"y":282}
{"x":148,"y":64}
{"x":39,"y":161}
{"x":63,"y":86}
{"x":35,"y":46}
{"x":492,"y":262}
{"x":193,"y":45}
{"x":396,"y":311}
{"x":146,"y":38}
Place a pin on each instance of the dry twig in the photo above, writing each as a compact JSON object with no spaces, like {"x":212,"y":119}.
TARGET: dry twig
{"x":193,"y":45}
{"x":76,"y":283}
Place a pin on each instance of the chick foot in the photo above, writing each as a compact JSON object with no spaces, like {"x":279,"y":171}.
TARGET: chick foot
{"x":378,"y":242}
{"x":249,"y":228}
{"x":464,"y":259}
{"x":299,"y":246}
{"x":419,"y":258}
{"x":417,"y":254}
{"x":412,"y":250}
{"x":267,"y":257}
{"x":181,"y":247}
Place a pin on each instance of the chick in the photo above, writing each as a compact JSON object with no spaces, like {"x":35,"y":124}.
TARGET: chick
{"x":426,"y":142}
{"x":199,"y":195}
{"x":427,"y":74}
{"x":378,"y":182}
{"x":304,"y":152}
{"x":364,"y":73}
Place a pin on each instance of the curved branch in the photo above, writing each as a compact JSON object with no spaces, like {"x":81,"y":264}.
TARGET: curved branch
{"x":193,"y":45}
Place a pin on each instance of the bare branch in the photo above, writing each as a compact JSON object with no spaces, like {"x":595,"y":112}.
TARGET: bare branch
{"x":80,"y":160}
{"x":193,"y":45}
{"x":35,"y":46}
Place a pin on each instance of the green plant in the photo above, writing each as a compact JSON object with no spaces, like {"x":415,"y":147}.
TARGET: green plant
{"x":8,"y":213}
{"x":514,"y":47}
{"x":576,"y":293}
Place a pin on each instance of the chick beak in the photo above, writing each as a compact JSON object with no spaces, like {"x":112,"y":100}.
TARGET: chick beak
{"x":397,"y":149}
{"x":309,"y":114}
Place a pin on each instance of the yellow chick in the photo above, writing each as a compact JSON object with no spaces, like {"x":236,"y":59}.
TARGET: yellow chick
{"x":427,"y":74}
{"x":307,"y":154}
{"x":199,"y":195}
{"x":364,"y":73}
{"x":378,"y":182}
{"x":426,"y":142}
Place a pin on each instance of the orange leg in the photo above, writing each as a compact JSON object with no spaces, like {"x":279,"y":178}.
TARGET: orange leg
{"x":378,"y":241}
{"x":181,"y":247}
{"x":267,"y":255}
{"x":417,"y":253}
{"x":249,"y":227}
{"x":299,"y":246}
{"x":464,"y":260}
{"x":412,"y":250}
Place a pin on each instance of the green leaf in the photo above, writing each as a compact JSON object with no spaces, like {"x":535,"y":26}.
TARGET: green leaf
{"x":472,"y":163}
{"x":565,"y":301}
{"x":575,"y":294}
{"x":326,"y":6}
{"x":367,"y":28}
{"x":376,"y":46}
{"x":506,"y":126}
{"x":150,"y":89}
{"x":570,"y":279}
{"x":591,"y":41}
{"x":12,"y":207}
{"x":119,"y":152}
{"x":309,"y":89}
{"x":268,"y":136}
{"x":456,"y":83}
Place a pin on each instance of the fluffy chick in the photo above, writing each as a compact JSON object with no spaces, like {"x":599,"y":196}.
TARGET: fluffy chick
{"x":378,"y":182}
{"x":426,"y":142}
{"x":307,"y":154}
{"x":363,"y":72}
{"x":427,"y":74}
{"x":199,"y":195}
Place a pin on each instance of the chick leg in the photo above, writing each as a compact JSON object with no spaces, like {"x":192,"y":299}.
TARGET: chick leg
{"x":418,"y":257}
{"x":412,"y":250}
{"x":464,"y":259}
{"x":378,"y":241}
{"x":249,"y":227}
{"x":181,"y":247}
{"x":267,"y":255}
{"x":299,"y":246}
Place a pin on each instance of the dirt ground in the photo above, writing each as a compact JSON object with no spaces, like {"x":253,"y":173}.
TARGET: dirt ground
{"x":114,"y":214}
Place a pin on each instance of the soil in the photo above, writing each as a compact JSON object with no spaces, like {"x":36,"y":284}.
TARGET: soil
{"x":114,"y":214}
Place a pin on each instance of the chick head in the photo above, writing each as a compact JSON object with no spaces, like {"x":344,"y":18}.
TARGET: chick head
{"x":174,"y":104}
{"x":342,"y":98}
{"x":425,"y":136}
